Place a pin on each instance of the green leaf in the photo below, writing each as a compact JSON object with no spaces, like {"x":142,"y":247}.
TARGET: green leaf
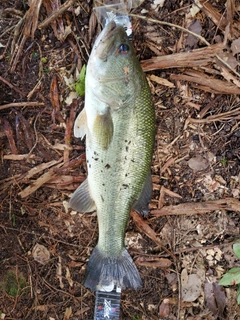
{"x":80,"y":84}
{"x":236,"y":249}
{"x":231,"y":277}
{"x":238,"y":298}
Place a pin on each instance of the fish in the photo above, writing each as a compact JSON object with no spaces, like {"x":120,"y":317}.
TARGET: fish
{"x":118,"y":121}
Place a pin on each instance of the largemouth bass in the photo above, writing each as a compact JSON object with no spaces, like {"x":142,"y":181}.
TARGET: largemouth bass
{"x":119,"y":123}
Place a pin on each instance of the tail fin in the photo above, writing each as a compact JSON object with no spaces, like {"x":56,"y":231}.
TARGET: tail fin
{"x":102,"y":271}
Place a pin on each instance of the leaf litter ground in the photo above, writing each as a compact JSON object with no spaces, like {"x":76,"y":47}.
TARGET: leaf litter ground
{"x":184,"y":246}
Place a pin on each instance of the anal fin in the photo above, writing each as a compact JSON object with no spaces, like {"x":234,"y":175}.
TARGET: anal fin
{"x":141,"y":205}
{"x":81,"y":199}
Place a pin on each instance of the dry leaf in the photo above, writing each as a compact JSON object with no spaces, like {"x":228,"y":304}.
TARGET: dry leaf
{"x":184,"y":277}
{"x":192,"y":290}
{"x":194,"y":10}
{"x":210,"y":183}
{"x":209,"y":297}
{"x":235,"y":46}
{"x":164,"y":309}
{"x":153,"y":262}
{"x":68,"y":277}
{"x":219,"y":293}
{"x":41,"y":254}
{"x":229,"y":59}
{"x":161,"y":81}
{"x":198,"y":163}
{"x":215,"y":298}
{"x":195,"y":27}
{"x":134,"y":240}
{"x":67,"y":313}
{"x":72,"y":95}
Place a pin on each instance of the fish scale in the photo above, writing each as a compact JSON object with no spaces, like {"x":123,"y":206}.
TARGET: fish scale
{"x":119,"y":123}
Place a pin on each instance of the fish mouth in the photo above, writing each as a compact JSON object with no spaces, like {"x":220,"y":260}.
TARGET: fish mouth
{"x":109,"y":31}
{"x":104,"y":44}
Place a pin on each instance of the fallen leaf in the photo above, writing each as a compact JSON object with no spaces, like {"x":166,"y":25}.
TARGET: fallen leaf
{"x":134,"y":240}
{"x":161,"y":81}
{"x":184,"y":277}
{"x":229,"y":59}
{"x":153,"y":262}
{"x":220,"y":297}
{"x":41,"y":254}
{"x":192,"y":290}
{"x":164,"y":309}
{"x":72,"y":95}
{"x":68,"y":277}
{"x":198,"y":163}
{"x":194,"y":10}
{"x":210,"y":183}
{"x":195,"y":27}
{"x":172,"y":281}
{"x":209,"y":297}
{"x":67,"y":314}
{"x":235,"y":46}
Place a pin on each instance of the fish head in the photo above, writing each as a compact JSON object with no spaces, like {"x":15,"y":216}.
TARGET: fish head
{"x":113,"y":71}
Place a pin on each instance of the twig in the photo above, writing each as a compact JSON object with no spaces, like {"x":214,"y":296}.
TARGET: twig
{"x":55,"y":14}
{"x":218,"y":117}
{"x":9,"y":133}
{"x":36,"y":137}
{"x":229,"y":204}
{"x":17,"y":56}
{"x":6,"y":31}
{"x":21,"y":104}
{"x":197,"y":57}
{"x":170,"y":25}
{"x":188,"y":31}
{"x":11,"y":86}
{"x":40,"y":181}
{"x":143,"y":226}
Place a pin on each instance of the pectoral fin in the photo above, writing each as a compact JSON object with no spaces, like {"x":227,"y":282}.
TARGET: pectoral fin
{"x":81,"y":200}
{"x":80,"y":125}
{"x":103,"y":129}
{"x":141,"y":205}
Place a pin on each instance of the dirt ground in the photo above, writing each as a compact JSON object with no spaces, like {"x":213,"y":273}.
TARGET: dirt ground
{"x":184,"y":247}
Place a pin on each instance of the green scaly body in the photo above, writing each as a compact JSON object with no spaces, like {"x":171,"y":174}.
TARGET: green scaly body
{"x":119,"y":124}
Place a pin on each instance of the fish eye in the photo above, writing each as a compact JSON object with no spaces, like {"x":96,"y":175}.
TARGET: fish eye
{"x":123,"y":48}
